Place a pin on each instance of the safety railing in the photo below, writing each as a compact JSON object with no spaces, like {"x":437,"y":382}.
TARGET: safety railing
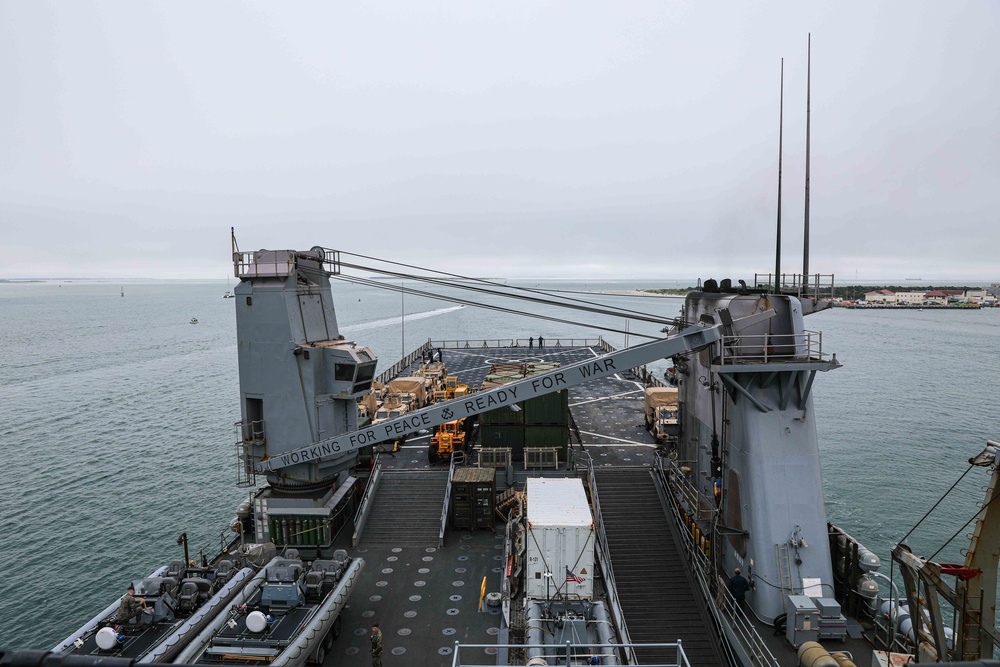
{"x":361,"y":516}
{"x":773,"y":348}
{"x":722,"y":604}
{"x":274,"y":263}
{"x":813,"y":286}
{"x":604,"y":557}
{"x":566,"y":654}
{"x":536,"y":344}
{"x":541,"y":457}
{"x":690,"y":500}
{"x":403,"y":363}
{"x":246,"y":436}
{"x":493,"y":457}
{"x":456,"y":458}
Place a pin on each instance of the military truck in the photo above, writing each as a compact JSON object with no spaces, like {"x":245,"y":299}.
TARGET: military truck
{"x":413,"y":391}
{"x":661,"y":413}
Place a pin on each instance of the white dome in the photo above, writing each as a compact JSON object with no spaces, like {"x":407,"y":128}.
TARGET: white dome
{"x":107,"y":638}
{"x":256,"y":621}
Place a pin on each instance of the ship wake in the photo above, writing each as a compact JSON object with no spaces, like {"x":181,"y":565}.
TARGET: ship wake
{"x":393,"y":321}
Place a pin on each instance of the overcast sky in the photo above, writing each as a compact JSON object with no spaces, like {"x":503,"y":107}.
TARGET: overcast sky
{"x":574,"y":139}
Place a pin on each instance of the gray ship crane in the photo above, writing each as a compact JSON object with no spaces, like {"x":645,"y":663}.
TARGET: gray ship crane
{"x":300,"y":381}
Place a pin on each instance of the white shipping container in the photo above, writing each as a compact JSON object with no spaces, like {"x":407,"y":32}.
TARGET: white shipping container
{"x":560,"y":541}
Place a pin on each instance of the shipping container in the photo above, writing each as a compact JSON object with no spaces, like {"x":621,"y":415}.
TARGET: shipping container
{"x":547,"y":436}
{"x":473,"y":498}
{"x":502,"y":415}
{"x":504,"y":435}
{"x":547,"y":409}
{"x":560,"y":545}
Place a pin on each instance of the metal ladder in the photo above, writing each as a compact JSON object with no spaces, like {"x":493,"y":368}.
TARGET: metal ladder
{"x":784,"y":570}
{"x":972,"y":618}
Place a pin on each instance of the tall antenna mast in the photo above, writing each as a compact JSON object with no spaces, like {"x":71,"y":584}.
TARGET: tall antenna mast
{"x":805,"y":237}
{"x":781,"y":124}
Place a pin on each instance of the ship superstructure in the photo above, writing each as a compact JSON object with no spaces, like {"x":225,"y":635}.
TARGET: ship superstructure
{"x":611,"y":545}
{"x":749,"y":436}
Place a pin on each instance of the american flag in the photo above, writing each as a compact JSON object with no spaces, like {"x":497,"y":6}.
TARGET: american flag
{"x":573,"y":578}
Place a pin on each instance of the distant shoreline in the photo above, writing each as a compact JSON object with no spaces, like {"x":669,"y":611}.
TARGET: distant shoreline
{"x":659,"y":293}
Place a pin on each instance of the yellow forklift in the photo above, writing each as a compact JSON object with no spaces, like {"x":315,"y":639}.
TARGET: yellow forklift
{"x":448,"y":438}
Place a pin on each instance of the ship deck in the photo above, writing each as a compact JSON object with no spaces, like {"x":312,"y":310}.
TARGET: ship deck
{"x":426,"y":594}
{"x":425,"y":597}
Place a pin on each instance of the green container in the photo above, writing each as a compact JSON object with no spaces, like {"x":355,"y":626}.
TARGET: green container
{"x":547,"y":409}
{"x":547,"y":436}
{"x":502,"y":415}
{"x":504,"y":435}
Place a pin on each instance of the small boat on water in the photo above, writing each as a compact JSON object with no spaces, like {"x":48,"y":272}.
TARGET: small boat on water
{"x":177,"y":601}
{"x":194,"y":320}
{"x":287,"y":615}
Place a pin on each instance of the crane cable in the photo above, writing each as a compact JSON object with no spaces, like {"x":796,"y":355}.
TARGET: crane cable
{"x":614,"y":310}
{"x":396,"y":288}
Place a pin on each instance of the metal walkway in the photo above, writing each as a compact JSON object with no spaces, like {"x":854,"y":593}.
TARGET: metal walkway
{"x":406,"y":510}
{"x":656,"y":596}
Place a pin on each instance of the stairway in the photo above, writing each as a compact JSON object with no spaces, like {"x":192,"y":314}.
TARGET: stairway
{"x":406,"y":510}
{"x":657,"y":598}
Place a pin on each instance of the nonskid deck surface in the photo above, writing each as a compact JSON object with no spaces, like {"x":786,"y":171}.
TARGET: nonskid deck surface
{"x":424,"y":599}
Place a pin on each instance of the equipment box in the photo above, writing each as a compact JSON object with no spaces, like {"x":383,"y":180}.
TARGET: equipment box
{"x":559,"y":561}
{"x":473,"y":498}
{"x":801,"y":621}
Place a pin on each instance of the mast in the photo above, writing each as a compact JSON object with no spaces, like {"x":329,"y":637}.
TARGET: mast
{"x":781,"y":124}
{"x":805,"y":236}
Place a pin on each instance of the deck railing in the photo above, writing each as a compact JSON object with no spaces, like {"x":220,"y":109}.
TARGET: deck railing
{"x":565,"y":654}
{"x":247,"y":435}
{"x":365,"y":506}
{"x":514,"y":342}
{"x":403,"y":363}
{"x":456,"y":458}
{"x":773,"y":348}
{"x":812,"y":286}
{"x":494,"y":457}
{"x":246,"y":264}
{"x":722,"y":604}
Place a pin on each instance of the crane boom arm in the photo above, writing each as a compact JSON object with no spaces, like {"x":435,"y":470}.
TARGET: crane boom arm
{"x":691,"y":338}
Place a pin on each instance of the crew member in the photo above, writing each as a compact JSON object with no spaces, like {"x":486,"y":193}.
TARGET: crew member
{"x":130,"y":607}
{"x":738,"y":587}
{"x":376,"y":646}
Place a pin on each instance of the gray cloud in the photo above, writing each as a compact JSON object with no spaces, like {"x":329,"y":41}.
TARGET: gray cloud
{"x":532,"y":139}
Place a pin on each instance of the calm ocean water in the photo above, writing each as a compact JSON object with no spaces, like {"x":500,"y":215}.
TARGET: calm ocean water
{"x":116,"y":422}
